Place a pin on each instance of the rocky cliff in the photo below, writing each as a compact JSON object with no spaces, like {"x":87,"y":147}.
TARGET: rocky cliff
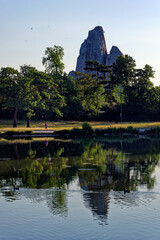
{"x":112,"y":56}
{"x":94,"y":48}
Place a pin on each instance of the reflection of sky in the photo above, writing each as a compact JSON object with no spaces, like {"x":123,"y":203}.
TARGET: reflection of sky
{"x":130,"y":216}
{"x":83,"y":213}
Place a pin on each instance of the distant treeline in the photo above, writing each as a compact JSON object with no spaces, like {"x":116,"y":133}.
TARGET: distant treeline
{"x":120,"y":92}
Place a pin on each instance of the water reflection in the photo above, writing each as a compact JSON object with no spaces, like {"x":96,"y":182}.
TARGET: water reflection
{"x":98,"y":203}
{"x":101,"y":166}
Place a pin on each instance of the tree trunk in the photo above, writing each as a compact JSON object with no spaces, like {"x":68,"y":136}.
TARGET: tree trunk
{"x":15,"y":117}
{"x":28,"y":122}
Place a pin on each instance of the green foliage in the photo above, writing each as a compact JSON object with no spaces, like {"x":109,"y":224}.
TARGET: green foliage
{"x":86,"y":127}
{"x":72,"y":110}
{"x":52,"y":60}
{"x":139,"y":97}
{"x":91,"y":94}
{"x":117,"y":131}
{"x":97,"y":70}
{"x":101,"y":73}
{"x":76,"y":132}
{"x":15,"y":91}
{"x":119,"y":94}
{"x":123,"y":70}
{"x":45,"y":94}
{"x":52,"y":94}
{"x":28,"y":91}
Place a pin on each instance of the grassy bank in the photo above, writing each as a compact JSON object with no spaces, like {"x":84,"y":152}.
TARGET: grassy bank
{"x":6,"y":125}
{"x":73,"y":129}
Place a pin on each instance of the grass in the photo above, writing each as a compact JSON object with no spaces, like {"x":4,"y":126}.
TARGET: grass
{"x":6,"y":125}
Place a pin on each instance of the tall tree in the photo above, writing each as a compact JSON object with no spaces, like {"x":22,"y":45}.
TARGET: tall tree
{"x":123,"y":70}
{"x":122,"y":75}
{"x":11,"y":91}
{"x":141,"y":96}
{"x":67,"y":88}
{"x":44,"y":90}
{"x":52,"y":60}
{"x":18,"y":92}
{"x":100,"y":71}
{"x":91,"y":94}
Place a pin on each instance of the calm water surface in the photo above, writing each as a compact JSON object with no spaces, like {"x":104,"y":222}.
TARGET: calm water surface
{"x":74,"y":189}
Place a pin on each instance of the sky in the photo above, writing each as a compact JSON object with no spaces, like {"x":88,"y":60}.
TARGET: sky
{"x":28,"y":27}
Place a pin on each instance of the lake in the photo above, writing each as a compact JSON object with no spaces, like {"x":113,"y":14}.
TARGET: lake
{"x":74,"y":189}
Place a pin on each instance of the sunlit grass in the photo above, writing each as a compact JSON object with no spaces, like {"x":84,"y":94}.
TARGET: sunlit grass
{"x":6,"y":125}
{"x":21,"y":140}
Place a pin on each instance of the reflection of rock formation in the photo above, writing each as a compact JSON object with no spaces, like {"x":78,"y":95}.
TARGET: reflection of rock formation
{"x":97,"y":183}
{"x":94,"y":198}
{"x":98,"y":202}
{"x":112,"y":178}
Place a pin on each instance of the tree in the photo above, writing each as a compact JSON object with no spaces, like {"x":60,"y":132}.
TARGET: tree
{"x":123,"y":70}
{"x":67,"y":89}
{"x":52,"y":60}
{"x":18,"y":92}
{"x":11,"y":91}
{"x":141,"y":96}
{"x":44,"y":91}
{"x":91,"y":94}
{"x":95,"y":69}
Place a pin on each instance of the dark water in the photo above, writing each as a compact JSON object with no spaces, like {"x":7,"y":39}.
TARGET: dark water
{"x":75,"y":189}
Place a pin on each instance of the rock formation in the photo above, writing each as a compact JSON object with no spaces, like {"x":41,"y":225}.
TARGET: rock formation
{"x":112,"y":56}
{"x":94,"y":48}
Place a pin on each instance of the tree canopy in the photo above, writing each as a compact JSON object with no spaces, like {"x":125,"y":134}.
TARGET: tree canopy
{"x":104,"y":92}
{"x":52,"y":60}
{"x":91,"y":94}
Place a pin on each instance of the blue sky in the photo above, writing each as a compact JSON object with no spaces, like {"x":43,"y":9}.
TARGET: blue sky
{"x":28,"y":27}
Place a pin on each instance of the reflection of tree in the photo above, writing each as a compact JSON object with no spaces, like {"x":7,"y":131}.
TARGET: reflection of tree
{"x":31,"y":154}
{"x":140,"y":169}
{"x":100,"y":165}
{"x":43,"y":173}
{"x":46,"y":166}
{"x":122,"y":170}
{"x":117,"y":168}
{"x":97,"y":155}
{"x":108,"y":164}
{"x":57,"y":202}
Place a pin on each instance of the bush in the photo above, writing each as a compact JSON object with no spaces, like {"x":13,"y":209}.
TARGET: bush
{"x":63,"y":132}
{"x":86,"y":128}
{"x":76,"y":131}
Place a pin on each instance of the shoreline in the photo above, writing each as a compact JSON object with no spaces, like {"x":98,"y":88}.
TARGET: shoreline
{"x":108,"y":132}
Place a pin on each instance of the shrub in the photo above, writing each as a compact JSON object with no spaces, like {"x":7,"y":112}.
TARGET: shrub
{"x":76,"y":131}
{"x":86,"y":128}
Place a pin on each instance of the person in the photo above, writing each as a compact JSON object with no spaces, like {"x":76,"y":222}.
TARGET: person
{"x":46,"y":143}
{"x":45,"y":125}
